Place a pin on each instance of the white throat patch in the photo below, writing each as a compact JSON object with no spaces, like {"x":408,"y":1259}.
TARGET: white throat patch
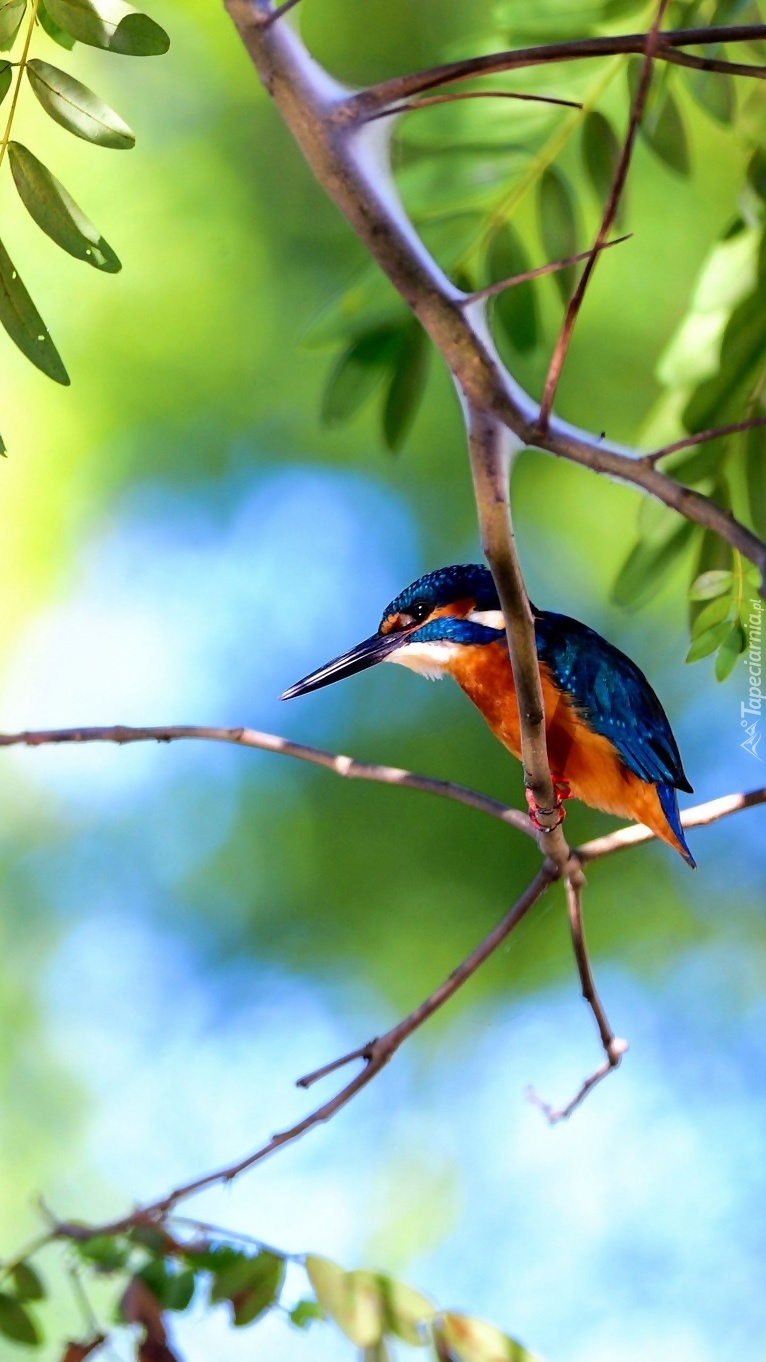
{"x":429,"y":659}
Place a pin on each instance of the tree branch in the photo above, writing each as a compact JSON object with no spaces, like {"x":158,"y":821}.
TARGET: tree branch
{"x":698,"y":817}
{"x":610,"y":213}
{"x":345,"y":156}
{"x":412,"y":104}
{"x":489,"y":446}
{"x":375,"y":1055}
{"x":613,"y":1047}
{"x":632,"y":835}
{"x":347,"y":767}
{"x":579,"y":49}
{"x":515,"y":279}
{"x":715,"y":433}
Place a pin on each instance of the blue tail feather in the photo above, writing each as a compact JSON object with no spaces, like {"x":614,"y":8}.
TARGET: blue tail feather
{"x":669,"y":802}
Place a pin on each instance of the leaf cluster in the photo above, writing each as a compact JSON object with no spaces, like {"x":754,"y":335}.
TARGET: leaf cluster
{"x":113,"y":26}
{"x":158,"y":1274}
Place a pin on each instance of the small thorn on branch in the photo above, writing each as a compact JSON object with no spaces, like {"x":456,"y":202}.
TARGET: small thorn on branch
{"x":365,"y":1052}
{"x":278,"y":12}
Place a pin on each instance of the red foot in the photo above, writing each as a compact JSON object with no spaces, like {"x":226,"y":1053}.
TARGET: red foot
{"x":561,"y":792}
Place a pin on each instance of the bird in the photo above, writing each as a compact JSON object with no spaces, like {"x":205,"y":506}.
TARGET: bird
{"x":609,"y":739}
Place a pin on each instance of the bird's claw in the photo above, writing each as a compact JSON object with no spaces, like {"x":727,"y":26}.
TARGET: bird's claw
{"x":561,"y":791}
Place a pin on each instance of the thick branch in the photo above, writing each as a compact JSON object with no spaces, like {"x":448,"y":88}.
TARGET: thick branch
{"x":345,"y":156}
{"x":490,"y":451}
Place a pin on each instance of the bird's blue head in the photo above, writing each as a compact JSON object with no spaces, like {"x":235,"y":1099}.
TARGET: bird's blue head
{"x":422,"y":627}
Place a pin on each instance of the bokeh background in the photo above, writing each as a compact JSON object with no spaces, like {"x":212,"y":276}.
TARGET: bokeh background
{"x":187,"y":929}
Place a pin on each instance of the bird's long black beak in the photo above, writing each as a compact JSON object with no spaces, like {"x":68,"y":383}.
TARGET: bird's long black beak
{"x":361,"y":657}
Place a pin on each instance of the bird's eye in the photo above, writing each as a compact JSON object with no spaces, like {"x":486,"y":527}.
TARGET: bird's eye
{"x":419,"y":610}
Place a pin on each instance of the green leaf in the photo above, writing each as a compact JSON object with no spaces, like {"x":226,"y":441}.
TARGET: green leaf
{"x":370,"y":302}
{"x":755,"y":477}
{"x":106,"y":1250}
{"x":473,"y":1340}
{"x":179,"y":1292}
{"x":305,"y":1313}
{"x":714,"y":612}
{"x":56,"y":213}
{"x":77,"y":108}
{"x":154,"y":1240}
{"x":710,"y":584}
{"x":54,"y":31}
{"x":355,"y":1305}
{"x":16,"y":1323}
{"x":24,"y":324}
{"x":620,"y":9}
{"x":645,"y":566}
{"x":741,"y":362}
{"x":27,"y":1283}
{"x":173,"y":1289}
{"x":110,"y":24}
{"x":516,"y":309}
{"x":706,"y":643}
{"x":756,"y":172}
{"x":357,"y":373}
{"x":714,"y":91}
{"x":6,"y":77}
{"x":664,"y":130}
{"x":11,"y":15}
{"x":601,"y":151}
{"x":406,"y":1311}
{"x":408,"y":382}
{"x":250,"y":1284}
{"x":558,"y":226}
{"x":732,"y":647}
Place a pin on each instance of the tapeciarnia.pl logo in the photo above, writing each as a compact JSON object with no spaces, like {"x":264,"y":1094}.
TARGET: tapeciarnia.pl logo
{"x":750,"y":710}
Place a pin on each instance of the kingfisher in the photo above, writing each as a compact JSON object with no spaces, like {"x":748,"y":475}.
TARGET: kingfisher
{"x":609,"y":740}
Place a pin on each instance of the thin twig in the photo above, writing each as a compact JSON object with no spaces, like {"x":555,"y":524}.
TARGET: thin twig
{"x":610,"y":212}
{"x":715,"y":433}
{"x":492,"y":289}
{"x":428,"y":103}
{"x":381,"y":1051}
{"x":632,"y":835}
{"x":346,"y":767}
{"x":698,"y":817}
{"x":579,"y":49}
{"x":723,"y":68}
{"x":614,"y":1048}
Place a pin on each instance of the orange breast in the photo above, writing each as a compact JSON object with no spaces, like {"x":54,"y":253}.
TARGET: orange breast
{"x":589,"y":763}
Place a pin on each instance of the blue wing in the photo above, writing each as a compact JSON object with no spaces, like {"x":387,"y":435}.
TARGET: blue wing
{"x":612,"y":695}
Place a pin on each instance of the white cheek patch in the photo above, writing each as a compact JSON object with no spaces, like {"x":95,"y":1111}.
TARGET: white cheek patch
{"x":429,"y":659}
{"x":491,"y":619}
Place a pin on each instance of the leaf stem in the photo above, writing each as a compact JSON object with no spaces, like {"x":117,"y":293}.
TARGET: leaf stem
{"x":19,"y":77}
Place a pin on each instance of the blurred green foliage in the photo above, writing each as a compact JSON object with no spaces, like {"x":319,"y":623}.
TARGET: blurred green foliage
{"x":246,"y":334}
